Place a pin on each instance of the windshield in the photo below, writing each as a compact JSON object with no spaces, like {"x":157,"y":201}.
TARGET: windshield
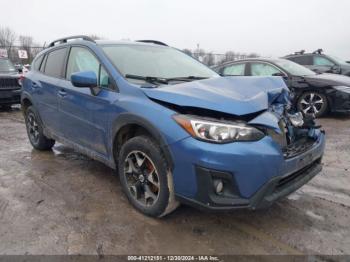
{"x":6,"y":66}
{"x":294,"y":68}
{"x":337,"y":59}
{"x":155,"y":61}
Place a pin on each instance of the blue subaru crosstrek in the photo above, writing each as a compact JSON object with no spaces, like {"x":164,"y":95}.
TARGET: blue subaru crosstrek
{"x":175,"y":131}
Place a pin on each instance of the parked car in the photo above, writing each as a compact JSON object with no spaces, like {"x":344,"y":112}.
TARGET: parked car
{"x":320,"y":62}
{"x":175,"y":130}
{"x":314,"y":94}
{"x":10,"y":84}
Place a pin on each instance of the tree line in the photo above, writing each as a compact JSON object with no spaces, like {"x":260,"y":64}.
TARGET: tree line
{"x":13,"y":42}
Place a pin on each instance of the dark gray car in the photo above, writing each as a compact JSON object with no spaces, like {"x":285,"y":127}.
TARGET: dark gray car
{"x":321,"y":63}
{"x":10,"y":83}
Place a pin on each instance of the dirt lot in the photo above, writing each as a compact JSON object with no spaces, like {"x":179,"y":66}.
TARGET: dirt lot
{"x":61,"y":202}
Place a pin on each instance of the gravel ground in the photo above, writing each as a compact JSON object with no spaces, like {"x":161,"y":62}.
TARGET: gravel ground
{"x":61,"y":202}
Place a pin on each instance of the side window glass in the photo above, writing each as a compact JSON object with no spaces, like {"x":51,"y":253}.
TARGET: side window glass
{"x":235,"y":70}
{"x":37,"y":63}
{"x":42,"y":66}
{"x":81,"y":59}
{"x":262,"y":69}
{"x":302,"y":60}
{"x":103,"y":78}
{"x":322,"y":61}
{"x":54,"y":62}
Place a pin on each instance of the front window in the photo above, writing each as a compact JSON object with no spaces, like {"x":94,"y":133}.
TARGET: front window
{"x":234,"y":70}
{"x":322,"y":61}
{"x":294,"y":68}
{"x":80,"y":60}
{"x":338,"y":60}
{"x":155,"y":61}
{"x":263,"y":69}
{"x":6,"y":66}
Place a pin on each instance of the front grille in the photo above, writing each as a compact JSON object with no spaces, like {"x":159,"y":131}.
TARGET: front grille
{"x":298,"y":147}
{"x":9,"y":83}
{"x":286,"y":181}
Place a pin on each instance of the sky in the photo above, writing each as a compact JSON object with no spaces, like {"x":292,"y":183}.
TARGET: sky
{"x":270,"y":28}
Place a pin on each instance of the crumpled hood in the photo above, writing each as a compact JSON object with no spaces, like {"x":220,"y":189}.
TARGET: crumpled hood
{"x":231,"y":95}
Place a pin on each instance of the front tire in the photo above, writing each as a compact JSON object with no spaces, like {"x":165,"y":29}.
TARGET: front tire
{"x":35,"y":131}
{"x":312,"y":103}
{"x":145,"y":177}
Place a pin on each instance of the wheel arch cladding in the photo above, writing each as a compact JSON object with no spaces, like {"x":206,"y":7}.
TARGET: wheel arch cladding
{"x":129,"y":125}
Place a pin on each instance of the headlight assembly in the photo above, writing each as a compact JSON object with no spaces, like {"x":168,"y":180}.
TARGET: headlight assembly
{"x":345,"y":89}
{"x":217,"y":131}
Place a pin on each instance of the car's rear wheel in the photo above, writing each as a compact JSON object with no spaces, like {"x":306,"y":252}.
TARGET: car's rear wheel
{"x":145,"y":177}
{"x":35,"y":131}
{"x":313,"y":103}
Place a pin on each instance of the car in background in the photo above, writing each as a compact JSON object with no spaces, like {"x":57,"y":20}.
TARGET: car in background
{"x":314,"y":94}
{"x":320,"y":63}
{"x":173,"y":128}
{"x":10,"y":84}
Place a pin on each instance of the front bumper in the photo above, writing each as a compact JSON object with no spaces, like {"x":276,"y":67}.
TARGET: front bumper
{"x":255,"y":174}
{"x":339,"y":101}
{"x":10,"y":96}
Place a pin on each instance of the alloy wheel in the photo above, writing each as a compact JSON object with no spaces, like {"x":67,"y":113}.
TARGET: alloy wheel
{"x":142,"y":178}
{"x":312,"y":103}
{"x":33,"y":127}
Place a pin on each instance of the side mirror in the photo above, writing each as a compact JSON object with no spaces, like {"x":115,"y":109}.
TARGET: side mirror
{"x":280,"y":74}
{"x":84,"y":79}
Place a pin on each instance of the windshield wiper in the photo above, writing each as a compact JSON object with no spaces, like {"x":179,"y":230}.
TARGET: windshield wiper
{"x":149,"y":79}
{"x":186,"y":78}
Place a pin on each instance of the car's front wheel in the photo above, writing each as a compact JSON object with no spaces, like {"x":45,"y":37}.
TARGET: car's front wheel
{"x":313,"y":103}
{"x":145,"y":177}
{"x":35,"y":131}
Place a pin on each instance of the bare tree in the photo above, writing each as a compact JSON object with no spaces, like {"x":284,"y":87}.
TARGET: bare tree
{"x":187,"y":51}
{"x":95,"y":37}
{"x":7,"y":37}
{"x":209,"y":59}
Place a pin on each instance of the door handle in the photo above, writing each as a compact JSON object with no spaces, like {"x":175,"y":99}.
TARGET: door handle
{"x":62,"y":93}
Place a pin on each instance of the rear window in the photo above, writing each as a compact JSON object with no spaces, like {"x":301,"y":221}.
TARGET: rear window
{"x":54,"y":63}
{"x":301,"y":60}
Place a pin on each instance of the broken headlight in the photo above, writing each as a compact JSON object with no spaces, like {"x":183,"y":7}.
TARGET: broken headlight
{"x":218,"y":131}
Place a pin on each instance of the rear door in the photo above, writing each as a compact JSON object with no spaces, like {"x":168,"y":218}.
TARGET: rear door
{"x":85,"y":115}
{"x":45,"y":86}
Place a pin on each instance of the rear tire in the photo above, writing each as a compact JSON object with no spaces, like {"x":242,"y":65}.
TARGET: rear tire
{"x":35,"y":131}
{"x":312,"y":103}
{"x":146,"y":178}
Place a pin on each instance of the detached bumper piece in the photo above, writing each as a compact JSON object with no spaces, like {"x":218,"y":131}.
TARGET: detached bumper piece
{"x":229,"y":197}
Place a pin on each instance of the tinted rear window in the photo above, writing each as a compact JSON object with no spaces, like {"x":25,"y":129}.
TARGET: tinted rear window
{"x":54,"y":62}
{"x":301,"y":60}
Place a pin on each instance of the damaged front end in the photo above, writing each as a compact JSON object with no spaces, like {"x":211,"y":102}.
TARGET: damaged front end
{"x":290,"y":129}
{"x":246,"y":147}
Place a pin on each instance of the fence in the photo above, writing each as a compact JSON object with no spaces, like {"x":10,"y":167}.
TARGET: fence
{"x":13,"y":54}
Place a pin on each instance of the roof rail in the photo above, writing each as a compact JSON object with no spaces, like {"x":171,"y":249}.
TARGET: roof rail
{"x":152,"y":42}
{"x":64,"y":39}
{"x":301,"y":52}
{"x":318,"y":51}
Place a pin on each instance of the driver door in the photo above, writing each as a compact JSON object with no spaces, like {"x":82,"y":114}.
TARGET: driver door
{"x":84,"y":114}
